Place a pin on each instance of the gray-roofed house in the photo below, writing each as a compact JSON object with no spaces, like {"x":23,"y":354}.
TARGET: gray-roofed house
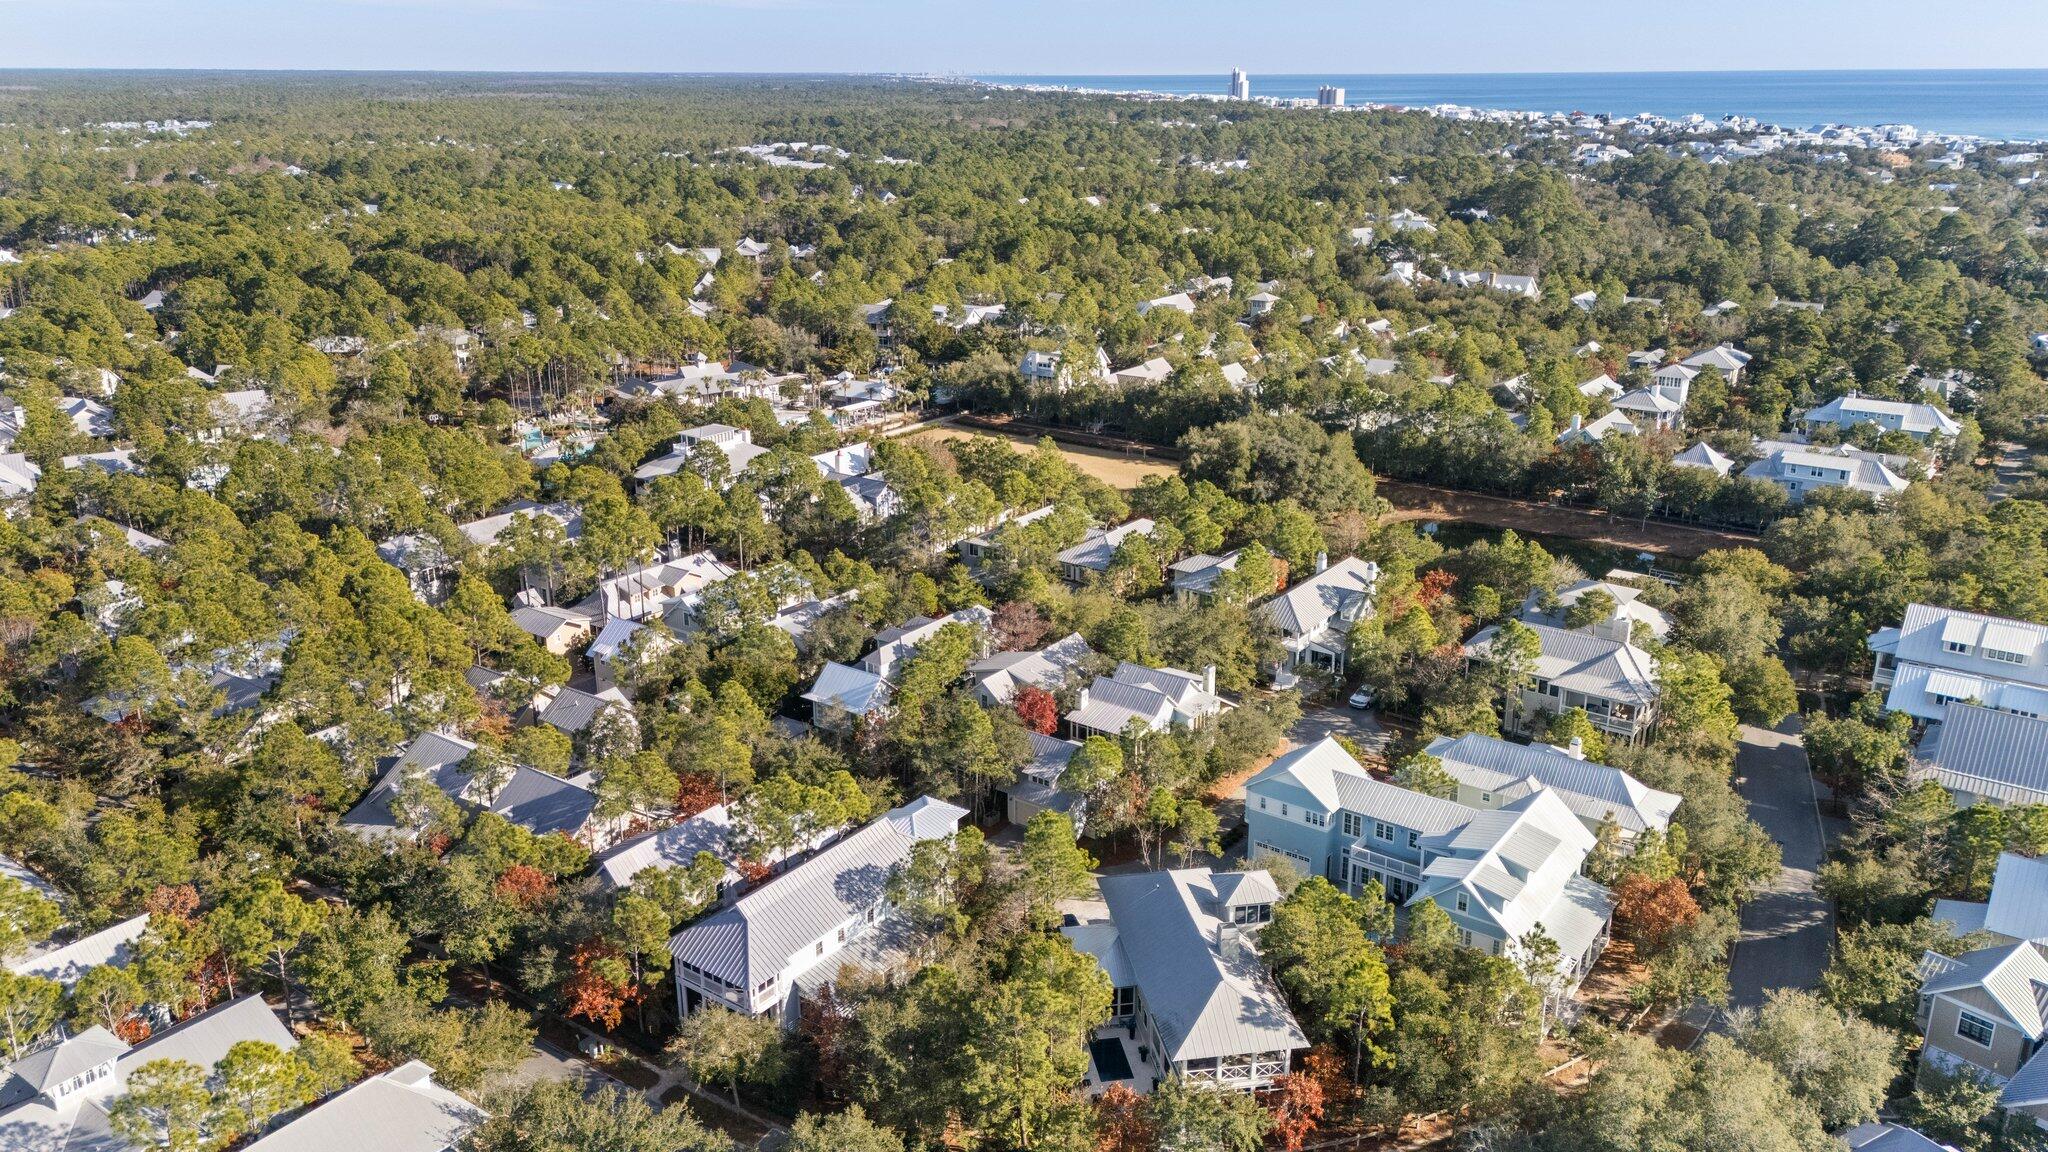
{"x":1920,"y":421}
{"x":1492,"y":772}
{"x":1803,"y":468}
{"x":648,"y":590}
{"x":2017,"y":910}
{"x":1192,"y":998}
{"x":762,"y":952}
{"x":1724,"y":358}
{"x":56,"y":1098}
{"x":538,"y":801}
{"x":1315,"y":616}
{"x":1890,"y":1138}
{"x":996,"y":678}
{"x":402,"y":1110}
{"x":1985,"y":755}
{"x":1705,"y":457}
{"x":65,"y":962}
{"x":844,"y":695}
{"x":484,"y":532}
{"x":1037,"y":786}
{"x":1985,"y":1014}
{"x":573,"y":711}
{"x":1194,"y":579}
{"x":559,"y":630}
{"x":1155,"y":698}
{"x":1092,"y":556}
{"x":1497,"y":874}
{"x":1613,"y":680}
{"x":1937,"y":656}
{"x":1619,"y":624}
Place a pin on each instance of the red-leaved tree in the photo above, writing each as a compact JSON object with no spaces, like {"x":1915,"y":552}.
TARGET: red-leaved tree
{"x":1650,"y":913}
{"x":524,"y":885}
{"x":1296,"y":1105}
{"x":1120,"y":1121}
{"x":599,"y":986}
{"x":1037,"y":709}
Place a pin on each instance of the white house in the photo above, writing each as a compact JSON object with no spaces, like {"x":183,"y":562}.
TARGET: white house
{"x":1154,"y":698}
{"x":797,"y":932}
{"x":1613,"y":680}
{"x":402,"y":1110}
{"x":1092,"y":556}
{"x":1804,"y":468}
{"x":1704,"y":456}
{"x":1938,"y":656}
{"x":1618,"y":624}
{"x":1492,"y":772}
{"x":1177,"y":301}
{"x":1315,"y":616}
{"x":1920,"y":421}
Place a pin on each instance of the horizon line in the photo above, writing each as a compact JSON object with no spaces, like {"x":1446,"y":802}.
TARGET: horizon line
{"x":927,"y":74}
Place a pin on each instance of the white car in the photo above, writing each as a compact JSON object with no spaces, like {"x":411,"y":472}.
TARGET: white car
{"x":1362,"y":699}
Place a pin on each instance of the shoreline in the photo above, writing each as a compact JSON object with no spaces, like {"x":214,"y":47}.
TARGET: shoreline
{"x":1901,"y":131}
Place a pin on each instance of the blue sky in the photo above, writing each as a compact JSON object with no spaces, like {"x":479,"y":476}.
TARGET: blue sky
{"x":1041,"y":36}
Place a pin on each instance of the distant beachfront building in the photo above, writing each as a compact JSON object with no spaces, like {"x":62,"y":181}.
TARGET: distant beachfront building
{"x":1329,"y":97}
{"x":1240,"y":84}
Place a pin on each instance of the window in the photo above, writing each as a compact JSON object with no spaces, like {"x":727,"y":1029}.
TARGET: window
{"x":1381,"y":830}
{"x":1956,"y":646}
{"x":1252,"y":914}
{"x":1486,"y":797}
{"x":1283,"y":810}
{"x":1415,"y":839}
{"x":1353,"y":822}
{"x":2004,"y":657}
{"x":842,"y":935}
{"x":1465,"y":937}
{"x":821,"y":947}
{"x":1971,"y":1026}
{"x":1464,"y":904}
{"x":1262,"y":803}
{"x":1315,"y":819}
{"x":1496,"y":947}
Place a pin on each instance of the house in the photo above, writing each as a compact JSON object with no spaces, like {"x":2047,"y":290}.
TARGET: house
{"x":1195,"y":578}
{"x":1937,"y":656}
{"x":1803,"y":468}
{"x":678,"y":845}
{"x":621,"y":647}
{"x":1613,"y":680}
{"x":1150,"y":372}
{"x":1890,"y":1138}
{"x":1492,"y":772}
{"x":88,"y":417}
{"x":572,"y":711}
{"x":798,"y":931}
{"x":1619,"y":624}
{"x":1579,"y":431}
{"x":58,"y":1095}
{"x":1602,"y":387}
{"x":1656,"y":408}
{"x":484,"y":533}
{"x":852,"y":468}
{"x":1314,"y":617}
{"x":1985,"y":755}
{"x":558,"y":629}
{"x":1981,"y":1014}
{"x":895,"y":645}
{"x":843,"y":695}
{"x":1703,"y":456}
{"x":1153,"y":698}
{"x":1037,"y":786}
{"x":1092,"y":556}
{"x":1408,"y":220}
{"x":1052,"y":368}
{"x":66,"y":962}
{"x":424,"y":561}
{"x":1260,"y":304}
{"x":996,"y":678}
{"x":18,"y":476}
{"x":1178,"y":301}
{"x":1724,"y":358}
{"x":2017,"y":910}
{"x":1497,"y":874}
{"x":652,"y":589}
{"x":1191,"y":997}
{"x":1920,"y":421}
{"x":402,"y":1110}
{"x":736,"y":443}
{"x":537,"y":801}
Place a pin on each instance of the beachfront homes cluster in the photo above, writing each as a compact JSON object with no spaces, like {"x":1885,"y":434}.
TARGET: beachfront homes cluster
{"x":1500,"y":869}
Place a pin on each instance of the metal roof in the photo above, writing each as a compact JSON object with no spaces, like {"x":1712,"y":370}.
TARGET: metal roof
{"x":1207,"y":1000}
{"x":760,"y":934}
{"x":1580,"y":662}
{"x":1592,"y":791}
{"x":65,"y":963}
{"x":1985,"y":751}
{"x":2014,"y":977}
{"x":402,"y":1110}
{"x":1327,"y":772}
{"x":673,"y":847}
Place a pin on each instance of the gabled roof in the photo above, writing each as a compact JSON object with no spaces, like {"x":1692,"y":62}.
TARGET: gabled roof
{"x":673,"y":847}
{"x":1326,"y":772}
{"x":1628,"y":606}
{"x":205,"y":1038}
{"x":1521,"y":865}
{"x":1917,"y":419}
{"x":1312,"y":603}
{"x":542,"y":802}
{"x":1002,"y":674}
{"x":1891,"y":1138}
{"x":1207,"y":1000}
{"x":1592,"y":791}
{"x":1703,"y":455}
{"x":485,"y":532}
{"x":1649,"y":400}
{"x":1988,"y":752}
{"x":854,"y":690}
{"x":573,"y":710}
{"x":1581,"y":662}
{"x":53,"y":1064}
{"x":760,"y":934}
{"x":65,"y":963}
{"x":1727,"y":358}
{"x":402,"y":1110}
{"x":2011,"y":979}
{"x":1099,"y":546}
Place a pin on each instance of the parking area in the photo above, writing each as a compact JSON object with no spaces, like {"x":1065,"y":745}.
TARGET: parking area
{"x":1359,"y":726}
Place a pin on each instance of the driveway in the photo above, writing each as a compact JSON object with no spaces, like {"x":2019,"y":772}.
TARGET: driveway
{"x":1318,"y":721}
{"x":1787,"y":928}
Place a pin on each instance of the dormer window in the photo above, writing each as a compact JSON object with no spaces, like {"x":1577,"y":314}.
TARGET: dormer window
{"x":1464,"y":903}
{"x":2004,"y":657}
{"x":1955,"y":646}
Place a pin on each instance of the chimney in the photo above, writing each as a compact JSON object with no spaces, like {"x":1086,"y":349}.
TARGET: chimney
{"x":1209,"y":679}
{"x":1576,"y":749}
{"x":1227,"y":940}
{"x":1081,"y":703}
{"x":1578,"y":421}
{"x":1322,"y":561}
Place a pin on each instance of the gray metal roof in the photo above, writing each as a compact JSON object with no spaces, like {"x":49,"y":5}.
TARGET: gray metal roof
{"x":541,"y":802}
{"x":2013,"y":976}
{"x":673,"y":847}
{"x":1891,"y":1138}
{"x":1581,"y":662}
{"x":1327,"y":772}
{"x":1593,"y":791}
{"x":1207,"y":1000}
{"x":573,"y":710}
{"x":759,"y":934}
{"x":856,"y":690}
{"x":402,"y":1110}
{"x":65,"y":963}
{"x":1987,"y":752}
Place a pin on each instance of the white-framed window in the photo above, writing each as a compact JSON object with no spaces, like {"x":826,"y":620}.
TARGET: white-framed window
{"x":1262,"y":803}
{"x":2005,"y":657}
{"x":1283,"y":810}
{"x":1956,"y":646}
{"x":1381,"y":830}
{"x":1415,"y":839}
{"x":1353,"y":823}
{"x":1974,"y":1028}
{"x":821,"y":947}
{"x":1486,"y":797}
{"x":1316,"y":819}
{"x":1464,"y":903}
{"x":1465,"y":937}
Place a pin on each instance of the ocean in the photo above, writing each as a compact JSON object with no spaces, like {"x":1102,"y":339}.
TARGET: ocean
{"x":1999,"y":104}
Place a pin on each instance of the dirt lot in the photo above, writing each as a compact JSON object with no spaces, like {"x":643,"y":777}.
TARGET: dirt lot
{"x":1113,"y":469}
{"x":1425,"y":502}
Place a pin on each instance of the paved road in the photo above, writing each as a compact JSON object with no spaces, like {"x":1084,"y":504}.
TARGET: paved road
{"x":1787,"y":929}
{"x":1319,"y":721}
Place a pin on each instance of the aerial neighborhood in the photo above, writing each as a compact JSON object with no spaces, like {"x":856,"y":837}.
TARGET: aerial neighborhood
{"x":699,"y":614}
